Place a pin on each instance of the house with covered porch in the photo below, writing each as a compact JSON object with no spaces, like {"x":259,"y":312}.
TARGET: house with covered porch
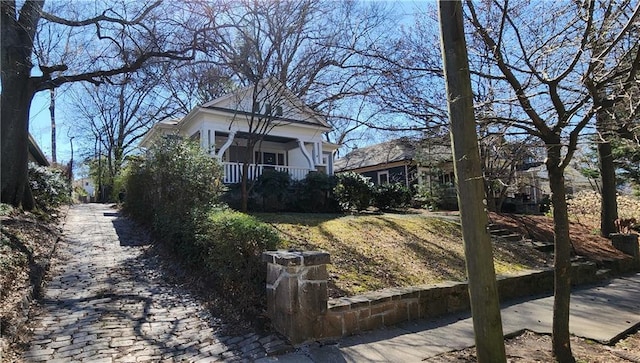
{"x":264,"y":124}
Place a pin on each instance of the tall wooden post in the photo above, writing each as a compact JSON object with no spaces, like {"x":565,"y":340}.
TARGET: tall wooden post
{"x":483,"y":292}
{"x":52,"y":111}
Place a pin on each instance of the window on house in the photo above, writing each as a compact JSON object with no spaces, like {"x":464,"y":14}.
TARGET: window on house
{"x":256,"y":107}
{"x":269,"y":110}
{"x":383,"y":177}
{"x":269,"y":158}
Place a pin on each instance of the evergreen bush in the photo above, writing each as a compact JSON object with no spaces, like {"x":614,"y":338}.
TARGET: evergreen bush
{"x":173,"y":189}
{"x":272,"y":189}
{"x":231,"y":245}
{"x":392,"y":196}
{"x":314,"y":193}
{"x":353,"y":191}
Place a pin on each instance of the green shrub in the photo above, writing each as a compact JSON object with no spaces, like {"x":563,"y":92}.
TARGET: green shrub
{"x":431,"y":196}
{"x":49,"y":186}
{"x":231,"y":245}
{"x":272,"y":189}
{"x":176,"y":190}
{"x":173,"y":189}
{"x":353,"y":191}
{"x":315,"y":194}
{"x":392,"y":196}
{"x":138,"y":184}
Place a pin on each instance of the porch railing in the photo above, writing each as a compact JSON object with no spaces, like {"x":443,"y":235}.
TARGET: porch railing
{"x":233,"y":171}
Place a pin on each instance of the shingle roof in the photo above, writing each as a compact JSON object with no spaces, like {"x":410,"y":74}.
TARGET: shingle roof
{"x":402,"y":149}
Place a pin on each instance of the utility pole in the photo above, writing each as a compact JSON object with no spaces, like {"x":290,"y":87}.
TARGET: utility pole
{"x":483,"y":291}
{"x":52,"y":111}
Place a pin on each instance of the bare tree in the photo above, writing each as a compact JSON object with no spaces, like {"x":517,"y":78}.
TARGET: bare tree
{"x":105,"y":39}
{"x":541,"y":53}
{"x":609,"y":84}
{"x":317,"y":49}
{"x":195,"y":83}
{"x":118,"y":114}
{"x":409,"y":78}
{"x":306,"y":47}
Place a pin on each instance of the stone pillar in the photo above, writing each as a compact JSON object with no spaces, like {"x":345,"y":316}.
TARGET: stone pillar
{"x":297,"y":292}
{"x":627,"y":243}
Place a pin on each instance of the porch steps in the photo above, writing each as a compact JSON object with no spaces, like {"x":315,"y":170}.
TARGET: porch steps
{"x":497,"y":231}
{"x":510,"y":236}
{"x":543,"y":246}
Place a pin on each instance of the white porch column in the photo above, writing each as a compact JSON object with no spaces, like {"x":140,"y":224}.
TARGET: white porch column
{"x":226,"y":145}
{"x":317,"y":153}
{"x":203,"y":138}
{"x":305,"y":152}
{"x":211,"y":142}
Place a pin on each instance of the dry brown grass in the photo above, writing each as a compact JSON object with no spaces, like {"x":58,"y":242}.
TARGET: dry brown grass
{"x":370,"y":252}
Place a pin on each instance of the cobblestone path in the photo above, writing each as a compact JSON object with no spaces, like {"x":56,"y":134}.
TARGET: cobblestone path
{"x":106,"y":302}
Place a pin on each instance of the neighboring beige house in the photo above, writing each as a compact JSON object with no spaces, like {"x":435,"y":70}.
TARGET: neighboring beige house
{"x":294,"y":142}
{"x":534,"y":182}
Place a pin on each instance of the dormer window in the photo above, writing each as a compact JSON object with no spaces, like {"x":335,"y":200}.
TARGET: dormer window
{"x":268,"y":110}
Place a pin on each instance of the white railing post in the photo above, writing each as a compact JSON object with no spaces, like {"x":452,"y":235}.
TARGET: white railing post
{"x":233,"y":171}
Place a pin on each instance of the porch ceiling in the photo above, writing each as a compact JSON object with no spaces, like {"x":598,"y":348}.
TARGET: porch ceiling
{"x":270,"y":138}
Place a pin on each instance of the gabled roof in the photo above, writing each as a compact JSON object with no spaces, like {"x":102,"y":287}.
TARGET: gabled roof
{"x":275,"y":87}
{"x":402,"y":149}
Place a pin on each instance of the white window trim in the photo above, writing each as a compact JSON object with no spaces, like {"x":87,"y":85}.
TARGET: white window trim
{"x":384,"y":172}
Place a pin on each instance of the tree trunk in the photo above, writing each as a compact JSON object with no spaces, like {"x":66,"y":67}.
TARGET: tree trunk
{"x":16,"y":42}
{"x":483,"y":292}
{"x":16,"y":101}
{"x":609,"y":204}
{"x":244,"y":190}
{"x":562,"y":257}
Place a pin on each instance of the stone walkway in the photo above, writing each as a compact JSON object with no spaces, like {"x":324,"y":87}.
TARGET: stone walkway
{"x":107,"y":302}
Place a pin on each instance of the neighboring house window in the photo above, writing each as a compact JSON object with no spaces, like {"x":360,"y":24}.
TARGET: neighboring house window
{"x":256,"y":107}
{"x":383,"y":177}
{"x":195,"y":137}
{"x":447,"y":179}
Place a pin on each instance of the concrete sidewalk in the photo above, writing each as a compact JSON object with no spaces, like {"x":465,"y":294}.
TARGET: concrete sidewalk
{"x":603,"y":313}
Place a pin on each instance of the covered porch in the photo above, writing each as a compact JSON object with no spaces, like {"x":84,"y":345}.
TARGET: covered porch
{"x":293,"y":155}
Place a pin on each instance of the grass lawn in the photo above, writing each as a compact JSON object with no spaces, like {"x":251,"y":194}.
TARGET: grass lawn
{"x":370,"y":252}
